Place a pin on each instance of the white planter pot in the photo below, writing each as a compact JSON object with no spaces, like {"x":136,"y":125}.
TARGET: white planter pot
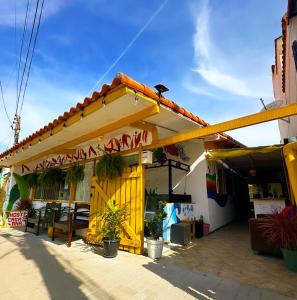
{"x":155,"y":248}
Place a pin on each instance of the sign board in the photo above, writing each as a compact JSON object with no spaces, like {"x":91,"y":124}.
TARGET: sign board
{"x":14,"y":218}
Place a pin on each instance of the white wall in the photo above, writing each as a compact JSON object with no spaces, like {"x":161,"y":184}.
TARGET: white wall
{"x":193,"y":184}
{"x":289,"y":129}
{"x":221,"y":215}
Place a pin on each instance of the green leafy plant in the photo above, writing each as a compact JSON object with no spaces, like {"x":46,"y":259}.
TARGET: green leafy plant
{"x":155,"y":223}
{"x":32,"y":179}
{"x":23,"y":186}
{"x":113,"y":217}
{"x":75,"y":174}
{"x":50,"y":177}
{"x":110,"y":166}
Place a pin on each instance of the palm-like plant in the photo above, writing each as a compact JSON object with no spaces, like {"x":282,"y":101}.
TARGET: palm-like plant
{"x":113,"y":217}
{"x":280,"y":229}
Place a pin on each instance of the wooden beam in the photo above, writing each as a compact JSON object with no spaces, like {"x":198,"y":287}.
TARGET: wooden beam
{"x":124,"y":122}
{"x":249,"y":120}
{"x":147,"y":126}
{"x":65,"y":151}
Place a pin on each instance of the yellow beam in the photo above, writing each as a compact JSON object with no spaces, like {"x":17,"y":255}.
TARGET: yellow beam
{"x":66,"y":151}
{"x":147,"y":126}
{"x":124,"y":122}
{"x":249,"y":120}
{"x":91,"y":108}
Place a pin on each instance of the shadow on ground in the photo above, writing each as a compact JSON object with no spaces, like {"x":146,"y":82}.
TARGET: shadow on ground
{"x":224,"y":263}
{"x":60,"y":283}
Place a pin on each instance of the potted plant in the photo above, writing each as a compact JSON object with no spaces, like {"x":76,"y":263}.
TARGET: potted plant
{"x":51,"y":177}
{"x":113,"y":217}
{"x":50,"y":180}
{"x":75,"y":174}
{"x":109,"y":167}
{"x":280,"y":229}
{"x":155,"y":225}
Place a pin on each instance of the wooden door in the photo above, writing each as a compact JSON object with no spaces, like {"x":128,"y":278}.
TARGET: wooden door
{"x":127,"y":191}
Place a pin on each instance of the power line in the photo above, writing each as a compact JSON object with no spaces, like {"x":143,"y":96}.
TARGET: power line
{"x":22,"y":42}
{"x":138,"y":34}
{"x":27,"y":55}
{"x":4,"y":105}
{"x":33,"y":50}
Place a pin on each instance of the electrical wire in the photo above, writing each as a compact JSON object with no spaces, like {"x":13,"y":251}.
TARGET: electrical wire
{"x":27,"y":56}
{"x":33,"y":50}
{"x":4,"y":105}
{"x":22,"y":42}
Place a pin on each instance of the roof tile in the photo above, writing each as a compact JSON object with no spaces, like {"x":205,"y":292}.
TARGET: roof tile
{"x":120,"y":79}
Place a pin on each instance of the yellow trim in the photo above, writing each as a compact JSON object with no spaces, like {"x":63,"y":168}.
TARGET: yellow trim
{"x":290,"y":155}
{"x":91,"y":108}
{"x":221,"y":154}
{"x":146,"y":112}
{"x":253,"y":119}
{"x":66,"y":151}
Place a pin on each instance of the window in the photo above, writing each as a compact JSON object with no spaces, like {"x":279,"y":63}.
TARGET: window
{"x":294,"y":50}
{"x":292,"y":8}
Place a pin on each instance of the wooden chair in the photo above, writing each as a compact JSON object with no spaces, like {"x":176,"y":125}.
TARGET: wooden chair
{"x":75,"y":219}
{"x":43,"y":218}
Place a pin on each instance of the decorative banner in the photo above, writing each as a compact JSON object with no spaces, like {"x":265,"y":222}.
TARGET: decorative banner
{"x":125,"y":141}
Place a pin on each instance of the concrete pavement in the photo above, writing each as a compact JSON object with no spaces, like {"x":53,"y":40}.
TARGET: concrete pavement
{"x":35,"y":268}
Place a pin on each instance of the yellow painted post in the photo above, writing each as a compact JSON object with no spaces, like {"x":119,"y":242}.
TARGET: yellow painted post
{"x":290,"y":154}
{"x":72,"y":193}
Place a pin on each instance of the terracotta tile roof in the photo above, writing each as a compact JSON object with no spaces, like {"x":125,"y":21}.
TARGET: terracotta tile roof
{"x":120,"y":79}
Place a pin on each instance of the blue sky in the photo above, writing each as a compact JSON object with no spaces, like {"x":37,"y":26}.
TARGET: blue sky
{"x":214,"y":56}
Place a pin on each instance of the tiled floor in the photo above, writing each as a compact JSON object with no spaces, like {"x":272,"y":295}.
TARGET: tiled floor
{"x":217,"y":267}
{"x":227,"y":253}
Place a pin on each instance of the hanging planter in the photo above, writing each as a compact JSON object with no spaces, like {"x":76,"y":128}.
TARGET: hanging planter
{"x":75,"y":174}
{"x":109,"y":167}
{"x":50,"y":177}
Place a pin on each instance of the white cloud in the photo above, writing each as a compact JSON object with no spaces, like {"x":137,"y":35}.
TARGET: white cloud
{"x":219,"y":70}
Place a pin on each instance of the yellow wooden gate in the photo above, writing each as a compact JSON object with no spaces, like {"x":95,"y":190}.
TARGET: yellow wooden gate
{"x":127,"y":191}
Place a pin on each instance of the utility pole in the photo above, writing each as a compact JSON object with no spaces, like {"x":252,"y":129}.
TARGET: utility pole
{"x":17,"y":128}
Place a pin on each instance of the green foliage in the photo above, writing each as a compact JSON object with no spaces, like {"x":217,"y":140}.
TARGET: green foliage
{"x":109,"y":167}
{"x":75,"y":174}
{"x":155,"y":223}
{"x":14,"y":195}
{"x":23,"y":186}
{"x":113,"y":217}
{"x":50,"y":177}
{"x":32,"y":179}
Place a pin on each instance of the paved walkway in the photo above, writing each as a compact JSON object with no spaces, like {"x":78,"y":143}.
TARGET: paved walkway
{"x":35,"y":268}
